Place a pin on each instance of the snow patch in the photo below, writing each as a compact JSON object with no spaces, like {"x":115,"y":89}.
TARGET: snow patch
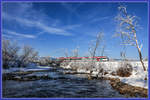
{"x":136,"y":79}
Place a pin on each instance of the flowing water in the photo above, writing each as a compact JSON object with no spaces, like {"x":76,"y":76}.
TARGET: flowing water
{"x":59,"y":86}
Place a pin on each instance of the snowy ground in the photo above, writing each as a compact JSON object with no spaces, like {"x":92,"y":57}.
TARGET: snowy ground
{"x":136,"y":79}
{"x":138,"y":75}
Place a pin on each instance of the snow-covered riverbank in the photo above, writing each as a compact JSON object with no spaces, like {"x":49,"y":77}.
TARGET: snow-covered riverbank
{"x":26,"y":69}
{"x":105,"y":69}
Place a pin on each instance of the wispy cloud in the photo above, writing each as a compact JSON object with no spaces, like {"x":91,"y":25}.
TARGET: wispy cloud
{"x":27,"y":18}
{"x":72,"y":9}
{"x":71,"y":27}
{"x":53,"y":30}
{"x":18,"y":34}
{"x":40,"y":25}
{"x":21,"y":21}
{"x":6,"y":36}
{"x":100,"y":19}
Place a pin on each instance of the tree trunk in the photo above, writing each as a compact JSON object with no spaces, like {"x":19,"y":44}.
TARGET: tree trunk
{"x":139,"y":50}
{"x":141,"y":59}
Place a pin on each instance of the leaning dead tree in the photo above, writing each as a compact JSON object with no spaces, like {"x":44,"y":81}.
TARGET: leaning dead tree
{"x":128,"y":31}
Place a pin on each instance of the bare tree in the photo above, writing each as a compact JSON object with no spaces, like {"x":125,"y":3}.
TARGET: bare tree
{"x":93,"y":49}
{"x":128,"y":31}
{"x":45,"y":60}
{"x":96,"y":44}
{"x":66,"y":53}
{"x":28,"y":55}
{"x":34,"y":56}
{"x":146,"y":59}
{"x":103,"y":50}
{"x":75,"y":52}
{"x":11,"y":56}
{"x":9,"y":53}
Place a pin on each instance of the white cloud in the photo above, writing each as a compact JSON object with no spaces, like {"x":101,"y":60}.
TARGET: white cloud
{"x":18,"y":34}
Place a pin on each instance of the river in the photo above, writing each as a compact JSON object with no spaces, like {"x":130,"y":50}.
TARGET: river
{"x":59,"y":86}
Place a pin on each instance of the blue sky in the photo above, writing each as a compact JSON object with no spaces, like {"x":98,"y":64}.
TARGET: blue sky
{"x":52,"y":28}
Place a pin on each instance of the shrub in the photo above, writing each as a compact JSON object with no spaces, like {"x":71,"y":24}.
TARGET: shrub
{"x":125,"y":70}
{"x":113,"y":73}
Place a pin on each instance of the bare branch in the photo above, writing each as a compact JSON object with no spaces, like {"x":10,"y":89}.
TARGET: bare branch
{"x":128,"y":24}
